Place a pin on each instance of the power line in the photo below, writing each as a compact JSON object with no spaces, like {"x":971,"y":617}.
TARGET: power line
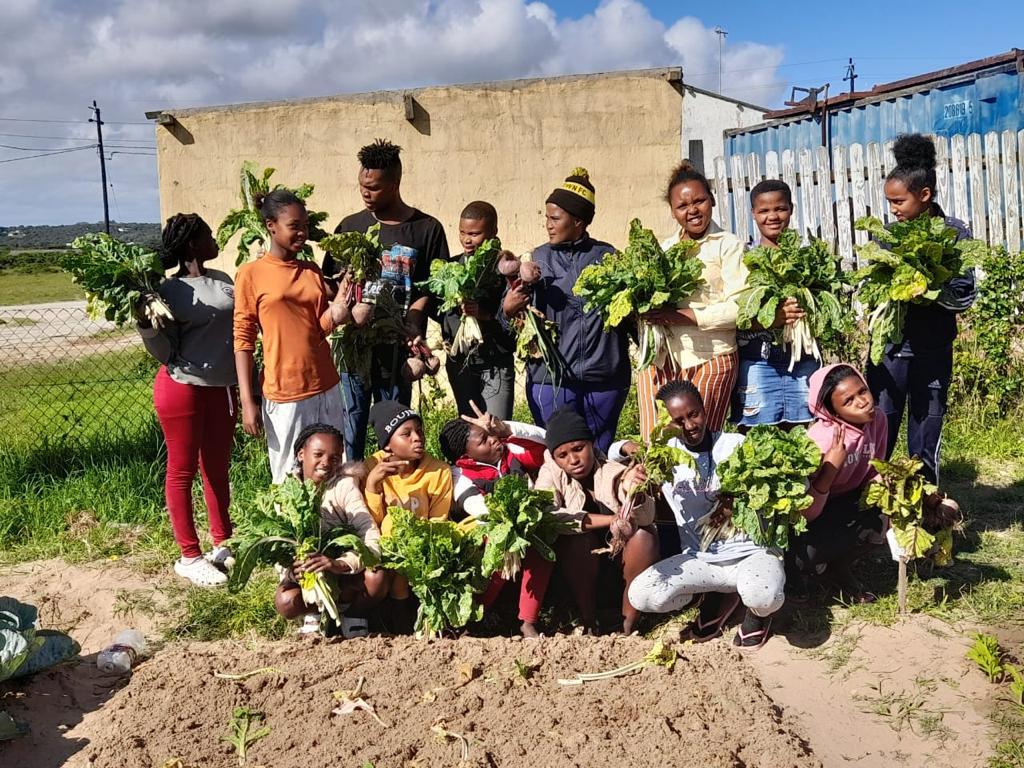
{"x":46,"y":154}
{"x":69,"y":122}
{"x":44,"y":149}
{"x":75,"y":138}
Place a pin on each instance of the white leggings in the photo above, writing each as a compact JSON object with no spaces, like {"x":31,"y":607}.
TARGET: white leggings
{"x":670,"y":585}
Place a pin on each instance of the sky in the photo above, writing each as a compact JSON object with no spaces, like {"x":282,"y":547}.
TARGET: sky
{"x":132,"y":56}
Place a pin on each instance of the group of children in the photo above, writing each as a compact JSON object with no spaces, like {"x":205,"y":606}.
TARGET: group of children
{"x":313,"y":417}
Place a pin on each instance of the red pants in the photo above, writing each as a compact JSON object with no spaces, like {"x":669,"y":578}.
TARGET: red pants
{"x":536,"y":576}
{"x":199,"y":428}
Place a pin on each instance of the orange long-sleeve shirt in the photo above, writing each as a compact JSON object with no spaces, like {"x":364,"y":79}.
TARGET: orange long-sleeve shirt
{"x":287,"y":302}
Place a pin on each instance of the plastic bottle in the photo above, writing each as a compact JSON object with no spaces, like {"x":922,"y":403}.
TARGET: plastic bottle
{"x":119,"y":657}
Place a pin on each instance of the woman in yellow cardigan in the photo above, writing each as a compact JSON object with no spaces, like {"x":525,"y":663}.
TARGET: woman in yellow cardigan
{"x":702,"y":330}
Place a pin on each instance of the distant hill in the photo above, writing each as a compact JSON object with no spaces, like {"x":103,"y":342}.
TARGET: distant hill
{"x":59,"y":236}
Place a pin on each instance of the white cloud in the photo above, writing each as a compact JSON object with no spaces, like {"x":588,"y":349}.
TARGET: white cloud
{"x":136,"y":55}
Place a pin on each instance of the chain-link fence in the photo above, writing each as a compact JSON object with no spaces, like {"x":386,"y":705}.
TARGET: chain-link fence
{"x":65,"y":377}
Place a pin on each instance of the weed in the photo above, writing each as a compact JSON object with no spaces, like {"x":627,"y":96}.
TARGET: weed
{"x":244,"y":731}
{"x":196,"y":613}
{"x":128,"y":602}
{"x":986,"y":654}
{"x":903,"y":709}
{"x":838,"y":652}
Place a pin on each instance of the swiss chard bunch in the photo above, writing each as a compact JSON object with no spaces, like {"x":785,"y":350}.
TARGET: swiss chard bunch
{"x":899,"y":491}
{"x":283,"y":527}
{"x":443,"y":564}
{"x":248,"y":220}
{"x":352,"y":345}
{"x":811,"y":274}
{"x":455,"y":282}
{"x":767,"y":477}
{"x":356,"y":253}
{"x":658,"y":457}
{"x":907,"y":262}
{"x":639,"y":279}
{"x":518,"y":518}
{"x":117,"y":277}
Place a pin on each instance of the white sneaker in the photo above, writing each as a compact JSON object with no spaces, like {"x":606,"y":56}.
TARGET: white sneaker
{"x":310,"y":624}
{"x":221,"y":557}
{"x":200,"y":572}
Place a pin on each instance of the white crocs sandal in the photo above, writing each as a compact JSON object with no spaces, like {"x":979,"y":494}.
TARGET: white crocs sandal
{"x":221,"y":558}
{"x":354,"y":626}
{"x":200,"y":572}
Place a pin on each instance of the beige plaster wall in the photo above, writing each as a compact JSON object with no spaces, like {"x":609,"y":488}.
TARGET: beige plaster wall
{"x":508,"y":143}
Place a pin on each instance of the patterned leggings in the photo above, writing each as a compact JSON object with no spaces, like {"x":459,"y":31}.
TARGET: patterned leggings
{"x":669,"y":585}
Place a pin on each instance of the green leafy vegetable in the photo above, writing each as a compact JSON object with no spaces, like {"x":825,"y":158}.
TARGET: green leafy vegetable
{"x":639,"y":279}
{"x":244,"y":731}
{"x":352,"y":346}
{"x":518,"y":518}
{"x":455,"y":282}
{"x":249,"y":222}
{"x":920,"y":256}
{"x":116,"y":278}
{"x":767,"y":477}
{"x":658,"y":457}
{"x":899,"y":492}
{"x":810,"y":274}
{"x":283,"y":527}
{"x":443,"y":564}
{"x":356,"y":253}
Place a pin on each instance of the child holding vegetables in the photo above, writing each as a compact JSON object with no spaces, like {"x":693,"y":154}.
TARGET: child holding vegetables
{"x":318,"y":454}
{"x":484,"y":376}
{"x":482,"y":450}
{"x":284,"y":300}
{"x":767,"y":391}
{"x":702,"y":333}
{"x":725,"y":571}
{"x":403,"y":474}
{"x":595,"y":370}
{"x":194,"y":391}
{"x":916,"y":373}
{"x":591,"y":491}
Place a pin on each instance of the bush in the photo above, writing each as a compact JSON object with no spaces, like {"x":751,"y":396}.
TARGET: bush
{"x":30,"y":262}
{"x":988,"y":361}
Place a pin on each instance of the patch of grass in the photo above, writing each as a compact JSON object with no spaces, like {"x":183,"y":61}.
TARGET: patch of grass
{"x":17,"y":287}
{"x":214,"y":614}
{"x":907,"y":709}
{"x":836,"y":654}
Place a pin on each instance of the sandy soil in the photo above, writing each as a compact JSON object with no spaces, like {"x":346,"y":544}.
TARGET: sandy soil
{"x":868,"y":696}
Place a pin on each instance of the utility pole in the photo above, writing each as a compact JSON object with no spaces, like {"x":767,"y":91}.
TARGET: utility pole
{"x":103,"y":163}
{"x":851,"y":74}
{"x":721,"y":36}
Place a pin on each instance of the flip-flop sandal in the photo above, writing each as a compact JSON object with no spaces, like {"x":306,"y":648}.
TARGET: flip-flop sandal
{"x":753,"y":641}
{"x":702,"y":631}
{"x":354,"y":626}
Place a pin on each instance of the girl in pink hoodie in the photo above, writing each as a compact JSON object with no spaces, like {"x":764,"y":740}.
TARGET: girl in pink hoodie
{"x":850,"y":431}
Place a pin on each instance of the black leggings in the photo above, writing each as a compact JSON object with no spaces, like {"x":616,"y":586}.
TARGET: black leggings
{"x":835,"y":534}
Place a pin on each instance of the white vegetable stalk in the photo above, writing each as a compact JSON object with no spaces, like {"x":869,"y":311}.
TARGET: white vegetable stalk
{"x":467,"y":338}
{"x":156,"y":311}
{"x":801,"y":342}
{"x":315,"y":591}
{"x":654,"y":348}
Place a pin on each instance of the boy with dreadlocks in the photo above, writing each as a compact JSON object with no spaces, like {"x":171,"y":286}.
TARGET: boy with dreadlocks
{"x":482,"y":449}
{"x":411,"y":240}
{"x":194,"y":392}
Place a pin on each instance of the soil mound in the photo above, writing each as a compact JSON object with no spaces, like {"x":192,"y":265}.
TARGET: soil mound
{"x":441,"y":703}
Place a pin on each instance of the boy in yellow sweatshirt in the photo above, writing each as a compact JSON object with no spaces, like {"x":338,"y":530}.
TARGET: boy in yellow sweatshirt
{"x":402,"y":474}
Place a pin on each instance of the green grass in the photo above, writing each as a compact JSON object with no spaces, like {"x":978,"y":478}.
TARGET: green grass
{"x":18,"y":287}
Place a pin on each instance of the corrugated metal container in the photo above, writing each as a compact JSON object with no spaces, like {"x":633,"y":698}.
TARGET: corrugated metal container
{"x":978,"y":97}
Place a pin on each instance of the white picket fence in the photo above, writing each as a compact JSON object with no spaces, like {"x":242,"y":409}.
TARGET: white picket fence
{"x":979,"y":182}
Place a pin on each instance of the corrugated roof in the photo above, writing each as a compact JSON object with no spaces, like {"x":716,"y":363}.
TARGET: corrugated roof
{"x":939,"y":75}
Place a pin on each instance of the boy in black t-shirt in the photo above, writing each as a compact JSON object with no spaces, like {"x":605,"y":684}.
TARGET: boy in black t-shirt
{"x":411,"y":240}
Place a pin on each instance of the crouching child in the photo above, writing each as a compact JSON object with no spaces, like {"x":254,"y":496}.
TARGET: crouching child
{"x":720,"y":573}
{"x":591,"y":491}
{"x":356,"y":588}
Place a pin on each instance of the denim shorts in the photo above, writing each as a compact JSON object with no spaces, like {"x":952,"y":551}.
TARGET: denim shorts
{"x":767,"y":393}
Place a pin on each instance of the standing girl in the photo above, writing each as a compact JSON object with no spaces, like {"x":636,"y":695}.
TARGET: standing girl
{"x":726,"y":571}
{"x":767,"y":392}
{"x":284,"y":299}
{"x":702,"y":332}
{"x":596,"y":378}
{"x":194,"y":392}
{"x":918,"y":371}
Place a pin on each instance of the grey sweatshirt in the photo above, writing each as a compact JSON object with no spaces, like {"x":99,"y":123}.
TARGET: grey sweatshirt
{"x":197,"y":348}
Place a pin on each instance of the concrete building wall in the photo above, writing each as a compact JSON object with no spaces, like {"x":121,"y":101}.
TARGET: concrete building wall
{"x":706,"y":115}
{"x":508,"y":143}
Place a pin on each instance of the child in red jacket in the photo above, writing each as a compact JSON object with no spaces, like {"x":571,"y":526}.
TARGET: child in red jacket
{"x":482,"y":450}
